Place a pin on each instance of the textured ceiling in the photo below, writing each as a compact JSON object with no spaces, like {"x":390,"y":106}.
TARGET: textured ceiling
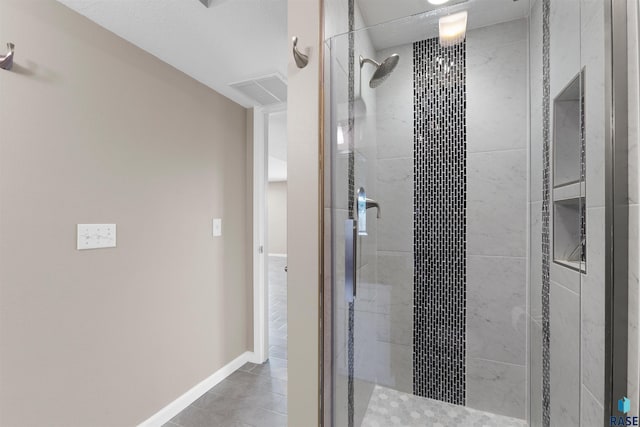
{"x":230,"y":41}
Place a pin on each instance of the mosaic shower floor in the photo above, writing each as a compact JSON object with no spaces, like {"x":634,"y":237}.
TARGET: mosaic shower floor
{"x":389,"y":407}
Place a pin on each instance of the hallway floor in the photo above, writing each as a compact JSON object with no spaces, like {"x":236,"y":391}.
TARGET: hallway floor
{"x":255,"y":395}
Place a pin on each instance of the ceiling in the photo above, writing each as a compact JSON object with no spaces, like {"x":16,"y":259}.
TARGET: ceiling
{"x":231,"y":41}
{"x":238,"y":40}
{"x":423,"y":17}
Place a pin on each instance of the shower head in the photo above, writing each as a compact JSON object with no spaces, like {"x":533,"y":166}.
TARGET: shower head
{"x":383,"y":69}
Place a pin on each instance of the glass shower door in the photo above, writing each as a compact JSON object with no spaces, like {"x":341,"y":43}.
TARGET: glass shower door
{"x":427,"y":207}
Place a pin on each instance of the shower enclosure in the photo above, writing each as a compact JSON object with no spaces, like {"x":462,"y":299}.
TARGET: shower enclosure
{"x":466,"y":215}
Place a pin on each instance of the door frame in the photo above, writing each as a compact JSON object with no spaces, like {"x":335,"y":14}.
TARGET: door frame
{"x":260,"y":235}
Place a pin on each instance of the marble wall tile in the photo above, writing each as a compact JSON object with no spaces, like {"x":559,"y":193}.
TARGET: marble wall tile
{"x":395,"y":270}
{"x":497,"y":71}
{"x":564,"y":24}
{"x":594,"y":62}
{"x":593,"y":309}
{"x":496,"y":307}
{"x":395,"y":195}
{"x":497,"y":203}
{"x":390,"y":366}
{"x":535,"y":261}
{"x":401,"y":367}
{"x":394,"y":100}
{"x":593,"y":331}
{"x":394,"y":327}
{"x":535,"y":128}
{"x":591,"y":411}
{"x":565,"y":349}
{"x":503,"y":33}
{"x":564,"y":276}
{"x":395,"y":297}
{"x":535,"y":374}
{"x":336,"y":17}
{"x":496,"y":387}
{"x":535,"y":157}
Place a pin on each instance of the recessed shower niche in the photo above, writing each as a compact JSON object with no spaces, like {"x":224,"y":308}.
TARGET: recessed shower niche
{"x":569,"y":245}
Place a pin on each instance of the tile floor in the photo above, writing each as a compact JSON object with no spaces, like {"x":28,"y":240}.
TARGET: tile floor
{"x":389,"y":407}
{"x":255,"y":395}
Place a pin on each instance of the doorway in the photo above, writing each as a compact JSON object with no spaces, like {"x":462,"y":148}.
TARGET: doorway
{"x":276,"y":247}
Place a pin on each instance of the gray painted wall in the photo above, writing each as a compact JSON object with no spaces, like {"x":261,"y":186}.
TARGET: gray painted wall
{"x":96,"y":130}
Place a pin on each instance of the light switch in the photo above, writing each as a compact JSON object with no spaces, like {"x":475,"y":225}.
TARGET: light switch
{"x":217,"y":227}
{"x":95,"y":236}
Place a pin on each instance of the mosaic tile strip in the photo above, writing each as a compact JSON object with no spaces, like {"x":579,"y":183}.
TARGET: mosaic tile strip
{"x":351,"y":202}
{"x":546,"y":202}
{"x":440,"y":158}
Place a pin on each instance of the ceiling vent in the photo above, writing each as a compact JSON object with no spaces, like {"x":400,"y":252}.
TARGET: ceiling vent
{"x":266,"y":90}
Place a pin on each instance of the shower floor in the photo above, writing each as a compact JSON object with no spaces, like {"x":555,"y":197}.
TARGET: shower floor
{"x":389,"y":407}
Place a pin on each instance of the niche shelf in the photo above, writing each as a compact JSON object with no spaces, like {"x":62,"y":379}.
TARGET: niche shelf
{"x":569,"y":191}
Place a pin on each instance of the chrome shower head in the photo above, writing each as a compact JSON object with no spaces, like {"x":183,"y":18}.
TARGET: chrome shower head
{"x":383,"y":70}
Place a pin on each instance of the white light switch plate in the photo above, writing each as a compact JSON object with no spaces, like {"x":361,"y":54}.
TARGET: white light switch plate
{"x":95,"y":236}
{"x":217,"y":227}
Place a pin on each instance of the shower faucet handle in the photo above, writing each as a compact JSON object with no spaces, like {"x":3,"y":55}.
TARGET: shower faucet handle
{"x":373,"y":204}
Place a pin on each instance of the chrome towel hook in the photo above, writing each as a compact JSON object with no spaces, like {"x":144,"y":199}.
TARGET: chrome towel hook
{"x":301,"y":59}
{"x":6,"y":61}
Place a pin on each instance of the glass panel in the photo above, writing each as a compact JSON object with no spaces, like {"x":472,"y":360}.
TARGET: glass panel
{"x":439,"y":145}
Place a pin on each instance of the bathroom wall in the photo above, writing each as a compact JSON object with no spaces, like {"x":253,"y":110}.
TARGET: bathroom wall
{"x":496,"y":216}
{"x":395,"y":180}
{"x":575,"y":313}
{"x":95,"y":130}
{"x":497,"y":226}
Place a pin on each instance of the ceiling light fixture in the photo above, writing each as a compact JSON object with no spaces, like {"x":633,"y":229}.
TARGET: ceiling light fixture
{"x":453,"y":28}
{"x":438,"y":2}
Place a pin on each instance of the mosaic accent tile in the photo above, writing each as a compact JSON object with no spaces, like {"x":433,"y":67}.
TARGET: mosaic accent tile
{"x":350,"y":206}
{"x":389,"y":407}
{"x":546,"y":202}
{"x":440,"y":186}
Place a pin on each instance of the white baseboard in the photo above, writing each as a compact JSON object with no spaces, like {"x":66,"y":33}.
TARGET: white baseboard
{"x":175,"y":407}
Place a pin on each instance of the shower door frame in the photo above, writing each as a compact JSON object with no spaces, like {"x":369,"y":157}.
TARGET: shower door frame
{"x":616,"y":206}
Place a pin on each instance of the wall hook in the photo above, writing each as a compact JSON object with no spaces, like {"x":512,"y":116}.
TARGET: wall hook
{"x":301,"y":59}
{"x":6,"y":61}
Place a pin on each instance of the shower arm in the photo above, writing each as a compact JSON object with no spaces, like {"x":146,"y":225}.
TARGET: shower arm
{"x":364,"y":60}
